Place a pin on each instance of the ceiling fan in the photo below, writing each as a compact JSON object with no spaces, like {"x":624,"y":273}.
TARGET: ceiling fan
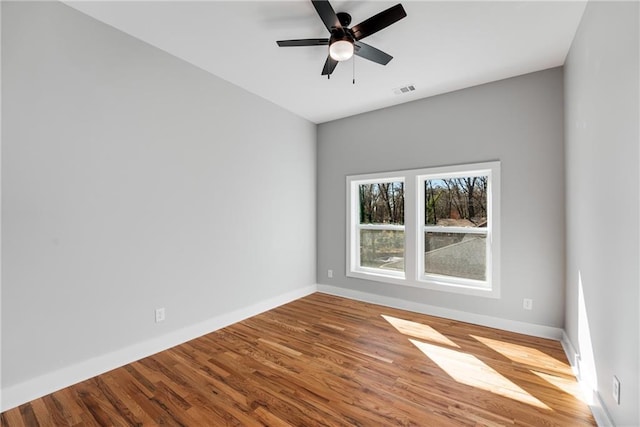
{"x":345,"y":42}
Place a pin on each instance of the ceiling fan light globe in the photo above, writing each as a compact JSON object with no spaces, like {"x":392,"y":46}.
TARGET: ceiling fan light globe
{"x":341,"y":50}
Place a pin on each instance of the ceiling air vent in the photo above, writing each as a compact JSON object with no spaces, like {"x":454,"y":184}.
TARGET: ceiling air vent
{"x":404,"y":89}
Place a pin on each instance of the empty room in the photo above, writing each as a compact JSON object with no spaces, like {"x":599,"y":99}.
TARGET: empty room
{"x":320,"y":213}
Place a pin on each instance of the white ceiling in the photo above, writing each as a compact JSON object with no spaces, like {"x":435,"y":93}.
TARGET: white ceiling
{"x":439,"y":47}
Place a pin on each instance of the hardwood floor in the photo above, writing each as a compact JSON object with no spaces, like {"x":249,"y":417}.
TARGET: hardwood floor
{"x":329,"y":361}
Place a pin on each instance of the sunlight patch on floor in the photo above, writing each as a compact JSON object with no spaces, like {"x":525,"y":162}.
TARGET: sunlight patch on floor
{"x":469,"y":370}
{"x":419,"y":330}
{"x":531,"y":357}
{"x":568,"y":385}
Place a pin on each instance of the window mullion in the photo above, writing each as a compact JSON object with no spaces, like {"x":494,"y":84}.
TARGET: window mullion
{"x":410,"y":230}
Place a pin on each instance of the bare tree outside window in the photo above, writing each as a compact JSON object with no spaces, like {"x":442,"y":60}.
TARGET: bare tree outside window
{"x":382,"y":203}
{"x":460,"y":202}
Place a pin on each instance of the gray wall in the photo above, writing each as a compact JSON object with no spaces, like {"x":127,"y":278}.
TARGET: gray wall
{"x":132,"y":180}
{"x":518,"y":121}
{"x":602,"y":176}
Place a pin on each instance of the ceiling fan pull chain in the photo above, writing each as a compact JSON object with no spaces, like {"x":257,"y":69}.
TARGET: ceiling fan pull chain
{"x":354,"y":69}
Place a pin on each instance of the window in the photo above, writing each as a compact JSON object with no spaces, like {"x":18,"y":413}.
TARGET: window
{"x":379,"y":227}
{"x":435,"y":228}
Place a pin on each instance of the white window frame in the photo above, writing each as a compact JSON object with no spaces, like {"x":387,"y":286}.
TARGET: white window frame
{"x":415,"y":228}
{"x":354,"y":227}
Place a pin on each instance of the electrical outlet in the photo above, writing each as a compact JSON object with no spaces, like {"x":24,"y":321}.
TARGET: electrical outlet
{"x":527,"y":304}
{"x":616,"y":389}
{"x":330,"y":274}
{"x":160,"y":315}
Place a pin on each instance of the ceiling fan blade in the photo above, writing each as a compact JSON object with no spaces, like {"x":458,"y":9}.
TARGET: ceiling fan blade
{"x":329,"y":66}
{"x":327,"y":14}
{"x":366,"y":51}
{"x":303,"y":42}
{"x":378,"y":22}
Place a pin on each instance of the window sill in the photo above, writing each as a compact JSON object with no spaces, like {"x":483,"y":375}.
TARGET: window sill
{"x":487,"y":290}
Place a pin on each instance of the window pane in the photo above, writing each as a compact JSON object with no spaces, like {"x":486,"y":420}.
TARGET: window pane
{"x":382,"y":203}
{"x":455,"y":254}
{"x":382,"y":249}
{"x":456,"y":202}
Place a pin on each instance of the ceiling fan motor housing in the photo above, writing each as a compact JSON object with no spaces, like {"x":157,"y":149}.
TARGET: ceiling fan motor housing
{"x":344,"y":18}
{"x":341,"y":34}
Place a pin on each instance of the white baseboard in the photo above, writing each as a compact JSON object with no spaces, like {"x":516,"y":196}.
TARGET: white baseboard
{"x":462,"y":316}
{"x":48,"y":383}
{"x":593,"y":398}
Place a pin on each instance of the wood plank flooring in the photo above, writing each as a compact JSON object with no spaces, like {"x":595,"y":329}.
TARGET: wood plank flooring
{"x":328,"y":361}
